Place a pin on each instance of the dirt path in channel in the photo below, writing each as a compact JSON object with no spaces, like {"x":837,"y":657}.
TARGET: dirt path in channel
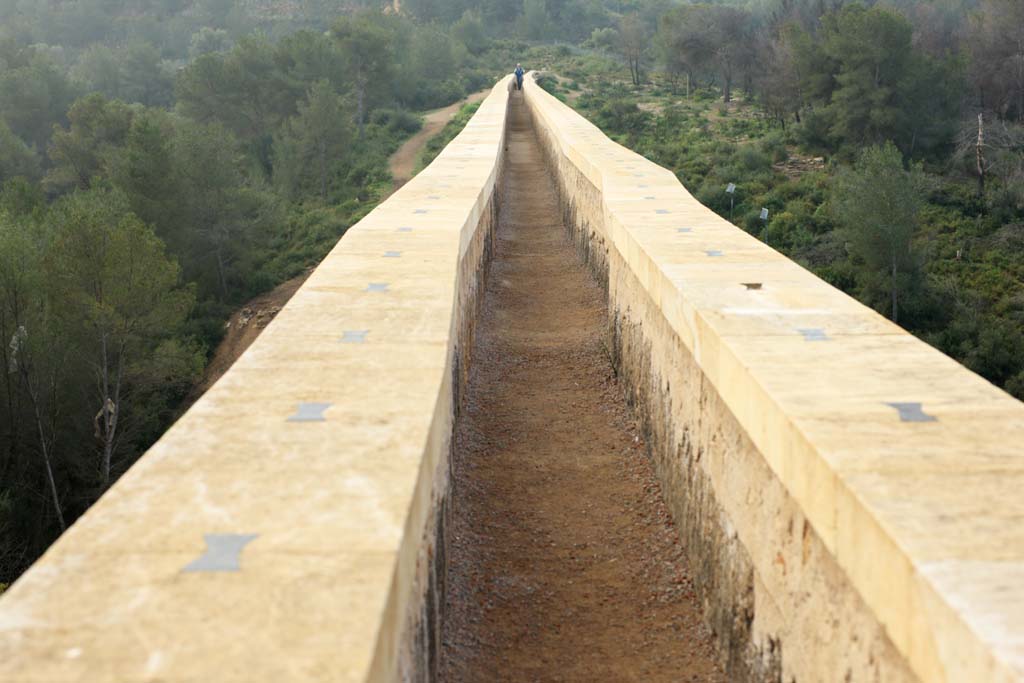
{"x":564,"y":564}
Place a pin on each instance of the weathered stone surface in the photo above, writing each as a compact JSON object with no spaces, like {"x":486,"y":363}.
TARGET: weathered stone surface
{"x":330,"y":460}
{"x":834,"y":539}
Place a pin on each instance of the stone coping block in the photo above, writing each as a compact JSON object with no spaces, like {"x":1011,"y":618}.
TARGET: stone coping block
{"x":279,"y":531}
{"x":909,"y":466}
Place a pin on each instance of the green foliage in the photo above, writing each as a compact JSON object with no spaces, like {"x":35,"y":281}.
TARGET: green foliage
{"x":398,"y":121}
{"x":312,"y":143}
{"x":244,"y":90}
{"x":224,"y":149}
{"x":878,"y":202}
{"x":94,"y":311}
{"x":871,"y":85}
{"x":871,"y":50}
{"x":207,"y":40}
{"x":162,"y":162}
{"x":34,"y":94}
{"x":16,"y":157}
{"x":960,"y":274}
{"x":469,"y":30}
{"x":20,"y":196}
{"x":536,"y":22}
{"x":80,"y":152}
{"x":365,"y":51}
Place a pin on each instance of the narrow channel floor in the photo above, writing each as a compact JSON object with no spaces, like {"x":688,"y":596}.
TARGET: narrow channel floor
{"x":564,"y":564}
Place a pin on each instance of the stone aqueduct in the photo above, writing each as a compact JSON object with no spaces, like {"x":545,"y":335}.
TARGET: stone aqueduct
{"x":850,"y":499}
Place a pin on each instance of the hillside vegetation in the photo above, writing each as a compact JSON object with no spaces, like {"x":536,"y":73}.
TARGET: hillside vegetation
{"x":161,"y":164}
{"x":163,"y":161}
{"x":886,"y":143}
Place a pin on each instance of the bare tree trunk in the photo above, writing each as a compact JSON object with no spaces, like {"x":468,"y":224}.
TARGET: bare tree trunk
{"x":220,"y":273}
{"x":895,"y":302}
{"x":104,"y":415}
{"x":12,"y":406}
{"x":49,"y":468}
{"x":634,"y":68}
{"x":360,"y":105}
{"x":323,"y":169}
{"x":112,"y":410}
{"x":43,"y":446}
{"x":980,"y":155}
{"x":1020,"y":84}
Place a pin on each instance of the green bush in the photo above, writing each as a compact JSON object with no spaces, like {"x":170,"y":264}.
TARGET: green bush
{"x":396,"y":120}
{"x":774,"y":145}
{"x":752,"y":159}
{"x":622,"y":115}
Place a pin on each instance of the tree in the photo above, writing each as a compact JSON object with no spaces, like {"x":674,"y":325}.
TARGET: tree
{"x":932,"y":97}
{"x":872,"y":49}
{"x":207,"y":40}
{"x":246,"y":90}
{"x":312,"y":140}
{"x":143,"y":167}
{"x":782,"y":95}
{"x":500,"y":12}
{"x":670,"y":43}
{"x":878,"y":203}
{"x":633,"y":44}
{"x":469,"y":30}
{"x":99,"y":70}
{"x":16,"y":158}
{"x":688,"y":42}
{"x":220,"y":211}
{"x":367,"y":59}
{"x":34,"y":95}
{"x":306,"y":57}
{"x":997,"y":57}
{"x":34,"y":355}
{"x":606,"y":39}
{"x":80,"y":152}
{"x":536,"y":21}
{"x":113,"y":283}
{"x":145,"y":78}
{"x":732,"y":38}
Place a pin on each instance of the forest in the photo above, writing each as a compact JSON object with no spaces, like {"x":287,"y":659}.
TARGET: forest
{"x":164,"y":161}
{"x":885,"y":141}
{"x":159,"y":167}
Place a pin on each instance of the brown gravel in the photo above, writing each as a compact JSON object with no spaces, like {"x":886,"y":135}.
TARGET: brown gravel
{"x":564,"y":564}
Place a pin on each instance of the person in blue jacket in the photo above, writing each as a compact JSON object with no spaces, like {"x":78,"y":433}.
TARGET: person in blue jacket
{"x":519,"y":76}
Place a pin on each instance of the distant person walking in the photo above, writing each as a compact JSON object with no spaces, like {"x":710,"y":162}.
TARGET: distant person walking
{"x":519,"y":76}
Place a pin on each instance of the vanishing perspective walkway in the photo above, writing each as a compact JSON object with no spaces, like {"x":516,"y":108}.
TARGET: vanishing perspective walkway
{"x":425,"y":468}
{"x":564,"y":564}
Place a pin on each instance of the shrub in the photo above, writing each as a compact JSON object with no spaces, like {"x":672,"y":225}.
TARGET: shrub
{"x":548,"y":82}
{"x":396,"y":120}
{"x":774,"y":145}
{"x":750,"y":158}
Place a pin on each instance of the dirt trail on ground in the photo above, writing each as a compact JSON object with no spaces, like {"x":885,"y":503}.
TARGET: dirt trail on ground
{"x":564,"y":564}
{"x":403,"y":162}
